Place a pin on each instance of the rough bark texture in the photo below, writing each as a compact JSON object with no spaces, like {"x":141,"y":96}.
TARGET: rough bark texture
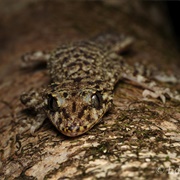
{"x":137,"y":139}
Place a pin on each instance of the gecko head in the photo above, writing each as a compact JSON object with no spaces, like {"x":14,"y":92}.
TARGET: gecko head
{"x":75,"y":111}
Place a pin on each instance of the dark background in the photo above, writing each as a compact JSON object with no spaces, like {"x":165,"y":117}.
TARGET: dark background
{"x":174,"y":15}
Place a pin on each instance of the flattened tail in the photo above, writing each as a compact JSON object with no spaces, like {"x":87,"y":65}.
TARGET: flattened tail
{"x":114,"y":41}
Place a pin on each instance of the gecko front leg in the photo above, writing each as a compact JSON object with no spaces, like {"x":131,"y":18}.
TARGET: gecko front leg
{"x":34,"y":58}
{"x":146,"y":78}
{"x":34,"y":100}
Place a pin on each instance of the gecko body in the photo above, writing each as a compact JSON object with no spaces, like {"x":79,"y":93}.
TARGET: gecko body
{"x":83,"y":77}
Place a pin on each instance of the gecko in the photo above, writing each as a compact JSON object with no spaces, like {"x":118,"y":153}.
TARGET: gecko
{"x":83,"y":78}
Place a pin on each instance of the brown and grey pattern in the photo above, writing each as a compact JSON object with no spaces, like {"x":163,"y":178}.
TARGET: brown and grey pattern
{"x":83,"y":77}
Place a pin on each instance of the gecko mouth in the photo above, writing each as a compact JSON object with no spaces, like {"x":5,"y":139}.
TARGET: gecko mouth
{"x":74,"y":130}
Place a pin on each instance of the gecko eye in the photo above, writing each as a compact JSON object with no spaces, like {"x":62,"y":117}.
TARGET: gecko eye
{"x":52,"y":103}
{"x":96,"y":100}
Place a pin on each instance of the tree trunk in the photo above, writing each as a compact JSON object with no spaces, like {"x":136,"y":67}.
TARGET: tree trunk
{"x":138,"y":138}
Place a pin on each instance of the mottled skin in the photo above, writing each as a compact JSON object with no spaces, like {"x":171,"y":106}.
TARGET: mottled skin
{"x":83,"y":77}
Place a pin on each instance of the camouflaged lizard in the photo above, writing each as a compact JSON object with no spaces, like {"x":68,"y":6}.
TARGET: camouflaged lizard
{"x":83,"y":77}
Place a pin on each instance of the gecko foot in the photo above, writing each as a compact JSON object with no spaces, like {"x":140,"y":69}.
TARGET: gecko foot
{"x":33,"y":58}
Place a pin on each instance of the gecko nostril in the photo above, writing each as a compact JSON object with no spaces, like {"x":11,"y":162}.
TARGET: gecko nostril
{"x":73,"y":128}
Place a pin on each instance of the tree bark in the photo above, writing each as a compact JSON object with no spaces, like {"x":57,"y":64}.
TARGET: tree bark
{"x":138,"y":138}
